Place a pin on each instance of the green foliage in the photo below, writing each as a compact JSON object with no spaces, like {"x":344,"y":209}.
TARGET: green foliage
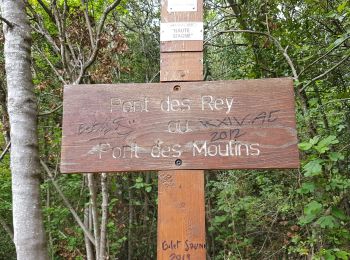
{"x":313,"y":168}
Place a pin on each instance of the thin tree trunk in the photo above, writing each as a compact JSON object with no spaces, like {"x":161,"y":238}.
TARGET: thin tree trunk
{"x":4,"y":116}
{"x":104,"y":217}
{"x":29,"y":233}
{"x":88,"y":245}
{"x":131,"y":220}
{"x":48,"y":202}
{"x":95,"y":221}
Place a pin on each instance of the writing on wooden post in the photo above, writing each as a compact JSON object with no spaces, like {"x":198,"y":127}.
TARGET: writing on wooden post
{"x":192,"y":125}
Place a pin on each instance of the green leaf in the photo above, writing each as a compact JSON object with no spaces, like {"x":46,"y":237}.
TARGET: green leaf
{"x":342,"y":6}
{"x":148,"y":189}
{"x":338,"y":213}
{"x":314,"y":140}
{"x":313,"y":208}
{"x":341,"y":127}
{"x":329,"y":256}
{"x":335,"y":156}
{"x":327,"y":222}
{"x":304,"y":146}
{"x":313,"y":168}
{"x":306,"y":187}
{"x":311,"y":211}
{"x":313,"y":101}
{"x":342,"y":255}
{"x":324,"y":144}
{"x":219,"y":219}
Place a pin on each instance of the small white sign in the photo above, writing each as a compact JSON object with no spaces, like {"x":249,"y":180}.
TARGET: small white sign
{"x":187,"y":31}
{"x":182,"y":6}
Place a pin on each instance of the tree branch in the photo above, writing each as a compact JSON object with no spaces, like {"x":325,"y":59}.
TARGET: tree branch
{"x":47,"y":10}
{"x":325,"y":73}
{"x":276,"y":42}
{"x":300,"y":93}
{"x":324,"y":55}
{"x":88,"y":23}
{"x":5,"y":151}
{"x":52,"y":67}
{"x":67,"y":203}
{"x":93,"y":56}
{"x":40,"y":29}
{"x":50,"y":112}
{"x":104,"y":16}
{"x":9,"y":24}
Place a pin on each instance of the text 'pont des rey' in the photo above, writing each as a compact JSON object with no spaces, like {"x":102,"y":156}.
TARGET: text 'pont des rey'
{"x":223,"y":136}
{"x":169,"y":104}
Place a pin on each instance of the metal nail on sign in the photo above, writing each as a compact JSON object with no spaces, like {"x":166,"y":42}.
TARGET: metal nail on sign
{"x":190,"y":125}
{"x":182,"y":6}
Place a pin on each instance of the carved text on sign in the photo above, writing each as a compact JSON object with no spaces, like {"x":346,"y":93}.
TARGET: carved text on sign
{"x":172,"y":125}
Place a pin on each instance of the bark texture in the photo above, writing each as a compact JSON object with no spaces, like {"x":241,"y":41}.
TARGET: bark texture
{"x":29,"y":234}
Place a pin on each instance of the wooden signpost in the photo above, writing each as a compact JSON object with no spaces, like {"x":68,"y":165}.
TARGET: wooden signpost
{"x":180,"y":127}
{"x":181,"y":202}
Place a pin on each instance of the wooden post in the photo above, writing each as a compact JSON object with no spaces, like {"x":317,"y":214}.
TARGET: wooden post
{"x":181,"y":203}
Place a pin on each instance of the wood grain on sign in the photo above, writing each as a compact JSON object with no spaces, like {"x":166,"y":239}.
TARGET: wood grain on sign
{"x":181,"y":66}
{"x":171,"y":17}
{"x":240,"y":124}
{"x":181,"y":214}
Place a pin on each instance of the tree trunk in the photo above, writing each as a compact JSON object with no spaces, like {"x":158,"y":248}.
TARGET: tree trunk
{"x":88,"y":245}
{"x":104,"y":217}
{"x":29,"y":234}
{"x":95,"y":218}
{"x":131,"y":220}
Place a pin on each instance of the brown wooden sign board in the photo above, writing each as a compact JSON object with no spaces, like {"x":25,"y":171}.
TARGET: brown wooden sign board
{"x":188,"y":125}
